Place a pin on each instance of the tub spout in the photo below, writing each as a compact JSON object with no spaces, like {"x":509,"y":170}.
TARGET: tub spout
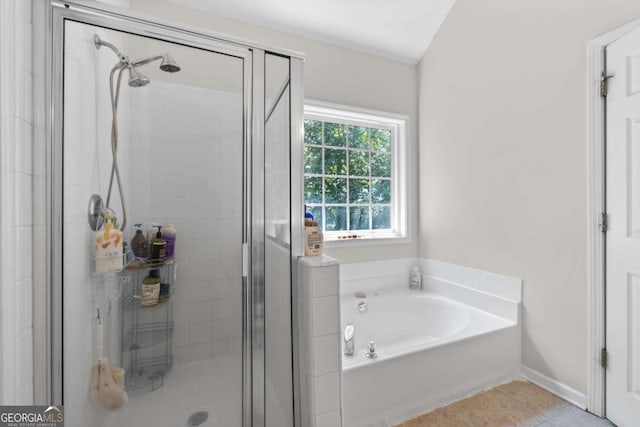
{"x":349,"y":340}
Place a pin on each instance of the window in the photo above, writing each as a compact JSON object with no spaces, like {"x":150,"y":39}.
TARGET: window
{"x":354,"y":181}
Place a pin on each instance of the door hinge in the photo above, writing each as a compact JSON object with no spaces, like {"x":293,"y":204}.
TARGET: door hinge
{"x":604,"y":84}
{"x":603,"y":358}
{"x":604,"y":223}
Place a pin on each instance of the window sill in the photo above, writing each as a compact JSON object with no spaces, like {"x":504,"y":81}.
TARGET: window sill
{"x":333,"y":242}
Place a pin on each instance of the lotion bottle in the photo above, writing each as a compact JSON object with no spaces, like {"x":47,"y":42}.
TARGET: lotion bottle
{"x":313,"y":238}
{"x":108,"y":247}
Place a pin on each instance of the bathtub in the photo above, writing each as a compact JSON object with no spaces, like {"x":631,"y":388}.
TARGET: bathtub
{"x":431,"y":349}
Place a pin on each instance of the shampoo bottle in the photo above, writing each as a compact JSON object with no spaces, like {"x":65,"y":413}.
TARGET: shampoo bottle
{"x":151,"y":234}
{"x":108,"y":247}
{"x":158,"y":249}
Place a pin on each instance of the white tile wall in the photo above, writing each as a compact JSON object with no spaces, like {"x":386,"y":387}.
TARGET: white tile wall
{"x":324,"y":352}
{"x":319,"y":337}
{"x":17,"y":304}
{"x":331,"y":419}
{"x":199,"y":190}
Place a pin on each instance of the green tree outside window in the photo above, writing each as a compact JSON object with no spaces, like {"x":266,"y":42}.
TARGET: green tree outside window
{"x":347,"y":175}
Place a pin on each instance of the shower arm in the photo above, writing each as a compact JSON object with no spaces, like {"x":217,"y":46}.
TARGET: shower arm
{"x":98,"y":42}
{"x":145,"y":61}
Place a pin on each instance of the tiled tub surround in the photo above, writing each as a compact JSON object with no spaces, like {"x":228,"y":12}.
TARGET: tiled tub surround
{"x":319,"y":341}
{"x":459,"y":334}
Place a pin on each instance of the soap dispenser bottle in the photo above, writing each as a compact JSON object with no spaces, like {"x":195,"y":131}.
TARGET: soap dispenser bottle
{"x":158,"y":248}
{"x":415,"y":279}
{"x":139,"y":244}
{"x":108,"y":247}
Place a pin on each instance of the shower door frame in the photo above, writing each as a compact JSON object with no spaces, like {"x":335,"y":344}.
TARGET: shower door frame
{"x":51,"y":16}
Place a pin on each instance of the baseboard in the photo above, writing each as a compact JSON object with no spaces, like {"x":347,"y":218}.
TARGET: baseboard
{"x":556,"y":387}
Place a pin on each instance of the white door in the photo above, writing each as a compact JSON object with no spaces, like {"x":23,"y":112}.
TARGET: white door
{"x":623,"y":236}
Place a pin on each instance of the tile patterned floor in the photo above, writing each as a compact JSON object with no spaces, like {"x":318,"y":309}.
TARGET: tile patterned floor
{"x":516,"y":404}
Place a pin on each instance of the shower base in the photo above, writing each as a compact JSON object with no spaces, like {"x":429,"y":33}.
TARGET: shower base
{"x":212,"y":385}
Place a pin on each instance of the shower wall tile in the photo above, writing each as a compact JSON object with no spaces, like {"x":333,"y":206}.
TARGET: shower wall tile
{"x":198,"y":189}
{"x":17,"y":193}
{"x":23,"y":253}
{"x":23,"y":200}
{"x":24,"y":155}
{"x":24,"y":354}
{"x":24,"y":304}
{"x":25,"y":395}
{"x":331,"y":419}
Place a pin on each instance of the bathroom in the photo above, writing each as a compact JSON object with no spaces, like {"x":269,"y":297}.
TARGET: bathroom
{"x":482,"y":130}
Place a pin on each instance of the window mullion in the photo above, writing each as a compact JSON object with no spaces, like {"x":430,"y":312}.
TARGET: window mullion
{"x":324,"y":204}
{"x":370,"y":188}
{"x":348,"y":209}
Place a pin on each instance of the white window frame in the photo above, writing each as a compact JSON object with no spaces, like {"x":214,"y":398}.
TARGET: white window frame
{"x":398,"y":124}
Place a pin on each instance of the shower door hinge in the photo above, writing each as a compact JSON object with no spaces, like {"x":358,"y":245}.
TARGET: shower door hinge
{"x":603,"y":358}
{"x":604,"y":223}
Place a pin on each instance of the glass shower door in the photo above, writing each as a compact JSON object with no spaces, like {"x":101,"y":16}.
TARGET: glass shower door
{"x":172,"y":320}
{"x":278,"y":280}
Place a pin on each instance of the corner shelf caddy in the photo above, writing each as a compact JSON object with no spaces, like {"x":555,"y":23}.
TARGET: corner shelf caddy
{"x":147,"y":331}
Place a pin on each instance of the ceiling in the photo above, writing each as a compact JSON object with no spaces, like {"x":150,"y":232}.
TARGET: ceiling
{"x":396,"y":29}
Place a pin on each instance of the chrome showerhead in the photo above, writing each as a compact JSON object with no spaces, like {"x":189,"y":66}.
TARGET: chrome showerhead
{"x":169,"y":64}
{"x":136,"y":79}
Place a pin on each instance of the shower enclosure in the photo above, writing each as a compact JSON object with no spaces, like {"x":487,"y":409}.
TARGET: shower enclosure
{"x":210,"y":150}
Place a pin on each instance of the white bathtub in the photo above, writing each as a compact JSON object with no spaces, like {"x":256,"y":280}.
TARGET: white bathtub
{"x":431,"y":350}
{"x":403,"y":322}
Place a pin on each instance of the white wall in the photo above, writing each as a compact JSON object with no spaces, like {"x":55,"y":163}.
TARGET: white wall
{"x":503,"y":158}
{"x":331,"y":74}
{"x":16,"y":217}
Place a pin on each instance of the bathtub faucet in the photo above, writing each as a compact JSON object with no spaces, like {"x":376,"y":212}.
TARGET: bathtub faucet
{"x":415,"y":280}
{"x":371,"y":351}
{"x":349,"y":340}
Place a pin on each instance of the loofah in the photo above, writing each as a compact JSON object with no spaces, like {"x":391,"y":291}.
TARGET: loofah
{"x":107,"y":385}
